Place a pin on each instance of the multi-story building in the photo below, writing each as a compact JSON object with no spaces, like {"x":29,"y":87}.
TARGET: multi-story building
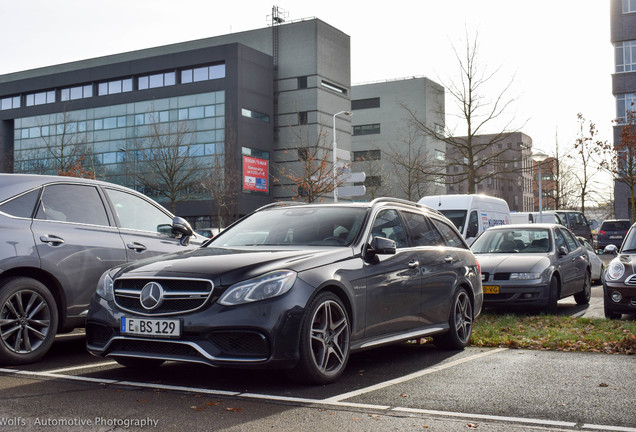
{"x":623,"y":37}
{"x":549,"y":184}
{"x":508,"y":173}
{"x":240,"y":104}
{"x":385,"y":146}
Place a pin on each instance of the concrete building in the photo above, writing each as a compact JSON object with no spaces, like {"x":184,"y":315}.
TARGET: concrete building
{"x":623,"y":37}
{"x":242,"y":103}
{"x":386,"y":147}
{"x":511,"y":168}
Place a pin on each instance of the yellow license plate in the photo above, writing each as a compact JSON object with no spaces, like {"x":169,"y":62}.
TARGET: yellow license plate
{"x":491,"y":289}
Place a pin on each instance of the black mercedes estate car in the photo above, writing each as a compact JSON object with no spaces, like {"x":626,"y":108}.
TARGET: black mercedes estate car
{"x":294,"y":286}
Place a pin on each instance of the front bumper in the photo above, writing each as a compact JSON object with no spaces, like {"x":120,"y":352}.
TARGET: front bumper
{"x":627,"y":303}
{"x":517,"y":293}
{"x":262,"y":334}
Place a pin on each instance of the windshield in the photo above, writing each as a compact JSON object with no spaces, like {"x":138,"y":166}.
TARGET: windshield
{"x":303,"y":226}
{"x":629,"y":245}
{"x":512,"y":241}
{"x":457,"y":217}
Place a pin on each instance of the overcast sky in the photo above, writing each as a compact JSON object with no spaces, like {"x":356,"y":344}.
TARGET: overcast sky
{"x":558,"y":51}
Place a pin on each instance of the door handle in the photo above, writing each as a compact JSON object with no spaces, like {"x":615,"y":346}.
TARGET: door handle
{"x":414,"y":264}
{"x":52,"y":240}
{"x":448,"y":259}
{"x":137,"y":247}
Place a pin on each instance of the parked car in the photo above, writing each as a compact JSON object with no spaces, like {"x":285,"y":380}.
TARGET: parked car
{"x":297,"y":287}
{"x":533,"y":266}
{"x":619,"y":279}
{"x":577,"y":223}
{"x":596,"y":264}
{"x":59,"y":234}
{"x":207,"y":232}
{"x":612,"y":232}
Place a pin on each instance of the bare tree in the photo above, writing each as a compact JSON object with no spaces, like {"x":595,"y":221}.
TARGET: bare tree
{"x":478,"y":112}
{"x":315,"y":177}
{"x":166,"y":162}
{"x":622,"y":164}
{"x":589,"y":153}
{"x":375,"y":171}
{"x":67,"y":149}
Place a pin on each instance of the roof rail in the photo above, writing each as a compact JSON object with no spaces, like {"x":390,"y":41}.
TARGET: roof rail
{"x":405,"y":202}
{"x":280,"y":204}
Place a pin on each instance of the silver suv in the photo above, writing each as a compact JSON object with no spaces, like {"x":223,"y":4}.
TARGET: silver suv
{"x":57,"y":236}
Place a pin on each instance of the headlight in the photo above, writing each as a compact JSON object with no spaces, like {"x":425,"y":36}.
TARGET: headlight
{"x":615,"y":270}
{"x":263,"y":287}
{"x":105,"y":287}
{"x":525,"y":276}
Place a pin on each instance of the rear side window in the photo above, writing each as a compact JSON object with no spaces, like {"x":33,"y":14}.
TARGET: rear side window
{"x":21,"y":206}
{"x":450,"y":236}
{"x":72,"y":203}
{"x":422,"y":231}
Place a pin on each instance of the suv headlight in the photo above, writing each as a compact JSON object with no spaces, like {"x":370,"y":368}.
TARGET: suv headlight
{"x":525,"y":276}
{"x":615,"y":270}
{"x":261,"y":288}
{"x":105,"y":287}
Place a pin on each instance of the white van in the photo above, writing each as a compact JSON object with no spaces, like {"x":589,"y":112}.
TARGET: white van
{"x":547,"y":216}
{"x":471,"y":214}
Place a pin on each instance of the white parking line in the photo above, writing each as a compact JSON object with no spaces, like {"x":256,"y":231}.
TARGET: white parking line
{"x":612,"y":428}
{"x":88,"y":366}
{"x":409,"y":377}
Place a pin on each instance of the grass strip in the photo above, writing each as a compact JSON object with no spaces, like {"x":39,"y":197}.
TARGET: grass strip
{"x":554,"y":333}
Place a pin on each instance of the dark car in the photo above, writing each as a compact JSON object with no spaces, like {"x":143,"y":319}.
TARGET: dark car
{"x":619,"y":280}
{"x":532,"y":266}
{"x":612,"y":232}
{"x":59,"y":234}
{"x":577,"y":222}
{"x":296,"y":287}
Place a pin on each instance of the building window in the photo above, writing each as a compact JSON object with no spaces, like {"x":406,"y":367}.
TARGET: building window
{"x":303,"y":154}
{"x":359,"y":104}
{"x":204,"y":73}
{"x":302,"y":117}
{"x":302,"y":82}
{"x":629,"y":6}
{"x":625,"y":103}
{"x":156,"y":80}
{"x":115,"y":87}
{"x":373,"y":181}
{"x":367,"y":155}
{"x":10,"y":103}
{"x":625,"y":55}
{"x":440,"y":155}
{"x":41,"y":98}
{"x":369,"y":129}
{"x":255,"y":115}
{"x":79,"y":92}
{"x":333,"y":87}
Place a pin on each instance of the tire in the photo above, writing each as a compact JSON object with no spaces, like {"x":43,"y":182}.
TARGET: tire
{"x":583,"y":297}
{"x":553,"y":296}
{"x":461,"y":323}
{"x":28,"y":320}
{"x":139,"y":363}
{"x":324,"y":341}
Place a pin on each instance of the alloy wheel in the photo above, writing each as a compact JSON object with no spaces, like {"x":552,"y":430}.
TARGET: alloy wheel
{"x":25,"y":320}
{"x":329,"y":337}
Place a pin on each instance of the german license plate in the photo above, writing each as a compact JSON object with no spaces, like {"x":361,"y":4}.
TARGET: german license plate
{"x":151,"y":327}
{"x":615,"y":237}
{"x":491,"y":289}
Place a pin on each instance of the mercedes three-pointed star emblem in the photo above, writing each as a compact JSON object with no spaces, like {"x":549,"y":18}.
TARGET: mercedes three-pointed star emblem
{"x":151,"y":296}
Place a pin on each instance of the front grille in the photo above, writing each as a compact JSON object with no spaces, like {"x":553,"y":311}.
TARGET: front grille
{"x":631,"y":281}
{"x":502,"y":276}
{"x":240,"y":343}
{"x":179,"y":295}
{"x":485,"y":276}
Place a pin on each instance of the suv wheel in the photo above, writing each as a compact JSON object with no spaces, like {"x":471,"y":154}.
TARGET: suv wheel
{"x":28,"y":320}
{"x":324,"y":341}
{"x":461,"y":323}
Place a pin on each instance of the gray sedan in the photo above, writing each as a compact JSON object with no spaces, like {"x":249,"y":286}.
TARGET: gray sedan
{"x":532,"y":265}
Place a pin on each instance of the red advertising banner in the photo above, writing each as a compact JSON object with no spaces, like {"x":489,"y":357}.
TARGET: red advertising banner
{"x":255,"y":174}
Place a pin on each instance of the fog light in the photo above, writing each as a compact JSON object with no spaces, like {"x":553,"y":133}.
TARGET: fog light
{"x":616,"y":296}
{"x":527,"y":296}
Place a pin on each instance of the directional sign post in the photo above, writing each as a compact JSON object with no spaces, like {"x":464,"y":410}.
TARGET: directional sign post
{"x":349,"y":191}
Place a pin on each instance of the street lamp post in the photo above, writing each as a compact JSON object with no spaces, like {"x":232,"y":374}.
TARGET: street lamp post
{"x":335,"y":157}
{"x":540,"y":157}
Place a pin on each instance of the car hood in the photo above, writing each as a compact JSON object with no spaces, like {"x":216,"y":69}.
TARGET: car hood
{"x":515,"y":262}
{"x":226,"y":266}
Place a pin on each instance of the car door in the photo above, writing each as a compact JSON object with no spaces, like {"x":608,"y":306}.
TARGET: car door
{"x":578,"y":256}
{"x":565,"y":262}
{"x":393,"y":281}
{"x":145,"y":228}
{"x":76,"y":240}
{"x":435,"y":270}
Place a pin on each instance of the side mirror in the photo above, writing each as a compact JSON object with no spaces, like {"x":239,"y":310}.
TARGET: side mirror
{"x":610,"y":250}
{"x":181,"y":227}
{"x":563,"y":250}
{"x":381,"y":246}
